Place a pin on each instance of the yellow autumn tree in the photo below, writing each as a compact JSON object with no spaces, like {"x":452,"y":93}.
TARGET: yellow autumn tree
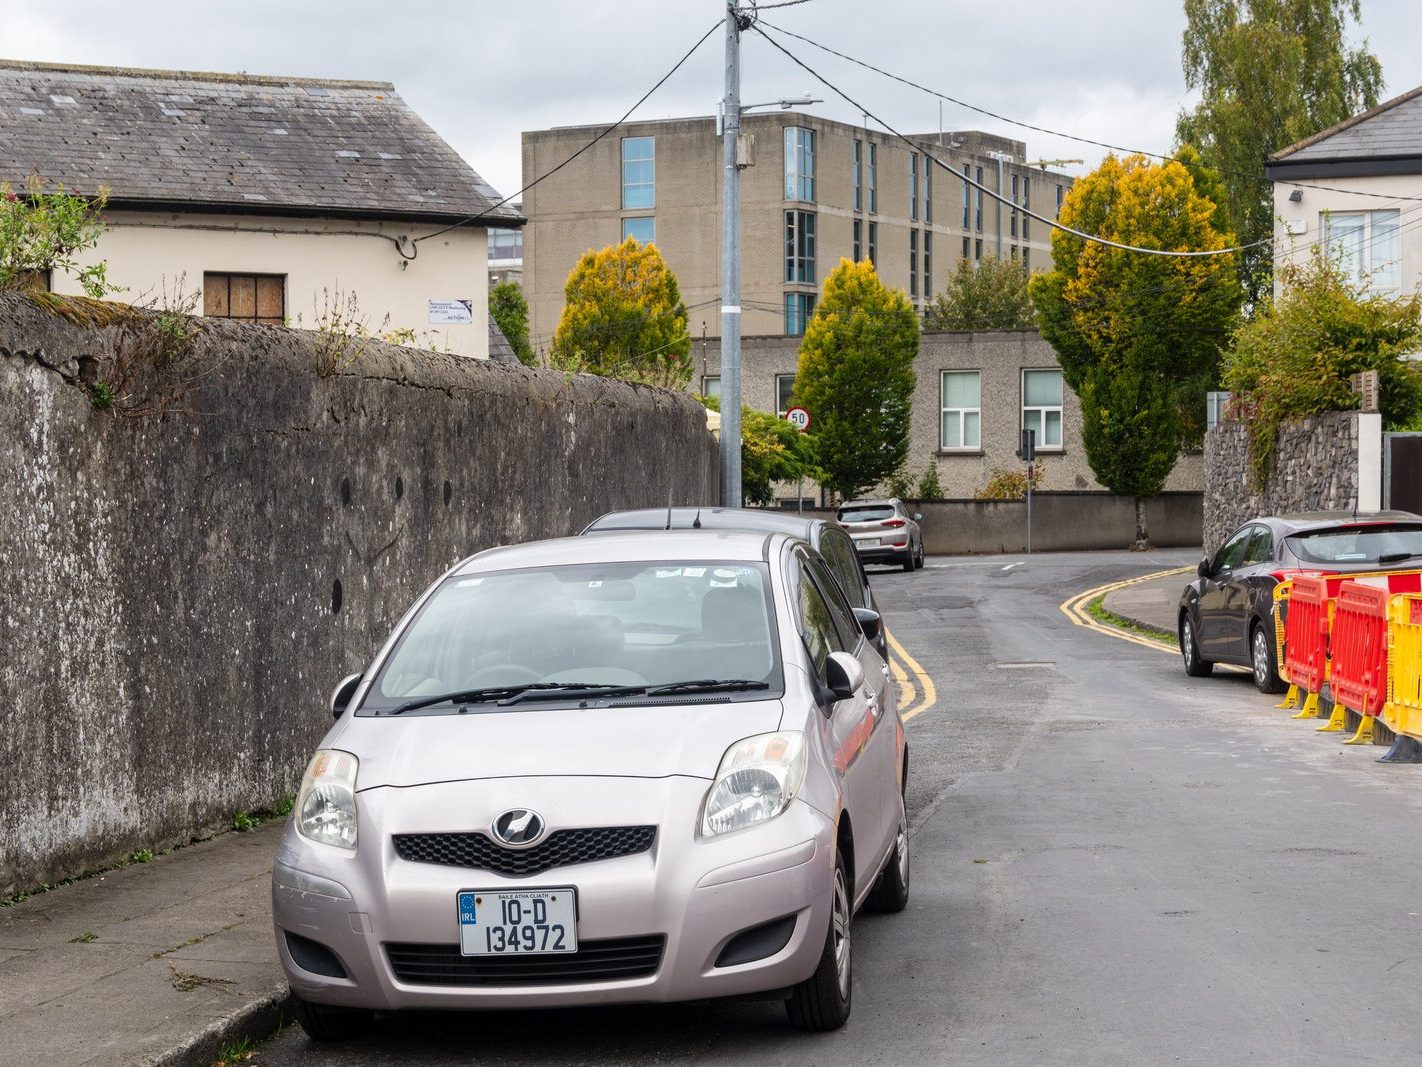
{"x":1139,"y":336}
{"x":623,"y":318}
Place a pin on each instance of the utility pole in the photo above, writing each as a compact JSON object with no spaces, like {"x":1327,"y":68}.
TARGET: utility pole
{"x":731,"y":266}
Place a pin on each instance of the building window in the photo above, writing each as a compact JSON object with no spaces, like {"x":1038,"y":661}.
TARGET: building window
{"x":913,"y":264}
{"x":1027,"y":260}
{"x":1366,"y":246}
{"x":960,"y":427}
{"x":874,"y":244}
{"x":784,"y":389}
{"x":505,"y":245}
{"x":928,"y":190}
{"x":873,"y":180}
{"x":858,"y":177}
{"x":249,"y":297}
{"x":1061,"y":195}
{"x":1013,"y":253}
{"x":1013,"y":217}
{"x":978,"y":200}
{"x":38,"y":280}
{"x":799,"y":163}
{"x":644,"y":229}
{"x":639,"y":172}
{"x":1026,"y":207}
{"x":858,"y":240}
{"x":800,"y":246}
{"x":1042,"y":406}
{"x":967,"y":201}
{"x":798,"y":309}
{"x":967,"y":249}
{"x":927,"y":264}
{"x":977,"y":252}
{"x":1215,"y":405}
{"x":710,"y":385}
{"x":913,"y":186}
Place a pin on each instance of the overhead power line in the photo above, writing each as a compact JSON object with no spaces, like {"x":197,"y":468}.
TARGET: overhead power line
{"x":1054,"y":224}
{"x":1059,"y":133}
{"x":549,"y":173}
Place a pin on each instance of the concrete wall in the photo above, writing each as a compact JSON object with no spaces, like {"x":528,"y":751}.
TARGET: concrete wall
{"x":1061,"y":522}
{"x":180,"y":593}
{"x":148,"y":252}
{"x":1315,"y":469}
{"x":1000,"y":356}
{"x":580,"y":208}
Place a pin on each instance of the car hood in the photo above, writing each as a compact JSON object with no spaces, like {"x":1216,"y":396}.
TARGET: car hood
{"x":640,"y":742}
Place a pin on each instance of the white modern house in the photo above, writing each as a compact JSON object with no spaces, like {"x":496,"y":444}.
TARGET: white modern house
{"x":265,"y":195}
{"x":1357,"y":187}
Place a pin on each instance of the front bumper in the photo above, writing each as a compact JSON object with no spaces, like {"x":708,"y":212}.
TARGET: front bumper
{"x":697,"y":893}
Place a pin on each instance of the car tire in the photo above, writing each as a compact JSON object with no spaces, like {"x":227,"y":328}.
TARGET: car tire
{"x":330,"y":1022}
{"x":1263,"y":661}
{"x":1195,"y":665}
{"x":822,"y":1001}
{"x":918,"y":561}
{"x":890,"y":894}
{"x":908,"y":560}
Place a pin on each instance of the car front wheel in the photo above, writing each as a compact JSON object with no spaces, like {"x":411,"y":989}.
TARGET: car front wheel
{"x":1262,"y":659}
{"x":821,"y":1002}
{"x":1195,"y":666}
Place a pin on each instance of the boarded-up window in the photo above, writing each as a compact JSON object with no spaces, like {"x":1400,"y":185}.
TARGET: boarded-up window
{"x":249,"y":297}
{"x":32,"y":281}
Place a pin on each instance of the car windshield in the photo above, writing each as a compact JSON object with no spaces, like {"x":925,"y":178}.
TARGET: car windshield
{"x":868,"y":513}
{"x":1359,"y":544}
{"x":590,"y":625}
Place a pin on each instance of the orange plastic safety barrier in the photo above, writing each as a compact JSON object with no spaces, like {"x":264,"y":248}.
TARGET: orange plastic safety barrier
{"x":1403,"y":713}
{"x":1306,"y":634}
{"x":1359,"y":647}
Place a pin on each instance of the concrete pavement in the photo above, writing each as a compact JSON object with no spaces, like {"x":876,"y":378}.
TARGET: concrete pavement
{"x":1153,"y":604}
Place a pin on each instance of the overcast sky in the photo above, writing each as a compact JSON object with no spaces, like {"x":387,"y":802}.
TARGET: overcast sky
{"x":481,"y":72}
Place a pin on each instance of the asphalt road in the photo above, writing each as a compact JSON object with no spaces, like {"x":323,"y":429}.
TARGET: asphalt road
{"x":1113,"y":863}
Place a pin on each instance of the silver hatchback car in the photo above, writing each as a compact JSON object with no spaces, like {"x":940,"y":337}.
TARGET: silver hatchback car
{"x":654,"y":766}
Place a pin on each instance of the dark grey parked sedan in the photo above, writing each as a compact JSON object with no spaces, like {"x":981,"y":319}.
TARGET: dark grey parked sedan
{"x":823,"y":536}
{"x":1227,"y":612}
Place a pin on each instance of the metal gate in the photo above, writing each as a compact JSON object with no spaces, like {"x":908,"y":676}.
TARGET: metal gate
{"x":1402,"y":471}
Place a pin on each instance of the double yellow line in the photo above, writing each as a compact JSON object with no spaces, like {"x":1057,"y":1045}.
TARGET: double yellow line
{"x":1075,"y":610}
{"x":917,"y":693}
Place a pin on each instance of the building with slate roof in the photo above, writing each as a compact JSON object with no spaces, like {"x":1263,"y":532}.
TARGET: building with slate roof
{"x":1357,"y":187}
{"x":266,"y":195}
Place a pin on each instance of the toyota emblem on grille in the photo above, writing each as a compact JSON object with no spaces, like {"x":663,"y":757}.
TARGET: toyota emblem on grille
{"x":518,"y":827}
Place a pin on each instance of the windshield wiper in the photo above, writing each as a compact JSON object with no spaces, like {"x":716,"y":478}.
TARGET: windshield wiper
{"x":707,"y":685}
{"x":509,"y":694}
{"x":1398,"y":557}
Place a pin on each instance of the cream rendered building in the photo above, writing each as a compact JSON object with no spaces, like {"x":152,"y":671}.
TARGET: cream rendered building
{"x":268,"y":198}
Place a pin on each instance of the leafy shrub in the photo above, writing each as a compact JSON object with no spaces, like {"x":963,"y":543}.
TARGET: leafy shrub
{"x":1009,"y":484}
{"x":929,"y":487}
{"x":42,"y":232}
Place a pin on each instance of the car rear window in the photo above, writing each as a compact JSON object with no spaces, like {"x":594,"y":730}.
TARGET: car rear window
{"x":866,"y":514}
{"x":1359,"y":544}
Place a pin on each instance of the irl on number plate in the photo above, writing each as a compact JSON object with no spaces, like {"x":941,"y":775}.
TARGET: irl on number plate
{"x":519,"y":922}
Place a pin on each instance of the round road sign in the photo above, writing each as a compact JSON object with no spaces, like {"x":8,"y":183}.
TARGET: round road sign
{"x":799,"y":418}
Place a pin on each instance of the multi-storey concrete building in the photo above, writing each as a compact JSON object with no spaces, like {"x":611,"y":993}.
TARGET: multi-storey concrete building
{"x":815,"y":192}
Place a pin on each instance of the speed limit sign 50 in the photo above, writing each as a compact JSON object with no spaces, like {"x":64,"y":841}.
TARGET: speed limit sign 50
{"x":799,"y":418}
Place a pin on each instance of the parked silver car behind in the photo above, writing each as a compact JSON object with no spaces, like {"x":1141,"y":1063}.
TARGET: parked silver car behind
{"x":638,"y":767}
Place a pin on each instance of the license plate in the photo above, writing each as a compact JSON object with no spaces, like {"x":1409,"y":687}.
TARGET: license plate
{"x":868,"y":542}
{"x":522,"y":922}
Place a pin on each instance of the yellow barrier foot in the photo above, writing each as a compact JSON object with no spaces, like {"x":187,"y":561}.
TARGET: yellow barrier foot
{"x":1364,"y":736}
{"x":1290,"y":701}
{"x":1336,"y":722}
{"x":1309,"y":710}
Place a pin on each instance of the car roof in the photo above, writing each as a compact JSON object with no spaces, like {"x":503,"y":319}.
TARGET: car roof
{"x":886,"y":502}
{"x":628,"y":546}
{"x":709,"y":518}
{"x":1302,"y":521}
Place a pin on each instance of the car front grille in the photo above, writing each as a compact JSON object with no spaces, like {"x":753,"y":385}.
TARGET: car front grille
{"x":595,"y":961}
{"x":562,"y":849}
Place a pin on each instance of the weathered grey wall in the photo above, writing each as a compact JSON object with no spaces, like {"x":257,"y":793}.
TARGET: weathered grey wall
{"x":1061,"y":522}
{"x":180,"y":594}
{"x":1315,"y":469}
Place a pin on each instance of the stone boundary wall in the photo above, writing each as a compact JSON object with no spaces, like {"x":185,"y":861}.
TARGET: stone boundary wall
{"x":1315,"y":469}
{"x":179,"y":594}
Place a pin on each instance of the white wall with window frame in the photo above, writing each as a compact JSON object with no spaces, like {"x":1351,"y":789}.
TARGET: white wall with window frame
{"x":1367,"y":246}
{"x":639,"y":173}
{"x":1042,"y":406}
{"x":960,"y":411}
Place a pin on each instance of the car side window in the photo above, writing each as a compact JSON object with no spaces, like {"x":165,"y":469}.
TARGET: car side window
{"x":816,"y":625}
{"x":841,"y":614}
{"x":1261,"y":547}
{"x":844,"y":561}
{"x":1232,"y":554}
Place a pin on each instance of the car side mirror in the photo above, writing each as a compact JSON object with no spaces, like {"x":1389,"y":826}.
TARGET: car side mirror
{"x":1203,"y":570}
{"x":845,"y":674}
{"x":870,"y":622}
{"x":341,"y":695}
{"x":917,"y":516}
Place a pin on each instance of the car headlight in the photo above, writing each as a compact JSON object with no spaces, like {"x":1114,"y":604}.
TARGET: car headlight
{"x":326,"y":805}
{"x":756,"y":781}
